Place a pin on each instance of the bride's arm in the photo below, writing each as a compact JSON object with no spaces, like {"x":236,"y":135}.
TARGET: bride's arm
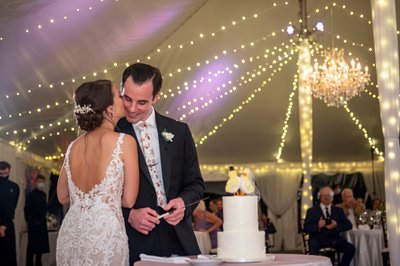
{"x":62,"y":187}
{"x":131,"y":172}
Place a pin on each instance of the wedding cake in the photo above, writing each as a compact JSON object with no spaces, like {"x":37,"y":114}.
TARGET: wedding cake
{"x":241,"y":241}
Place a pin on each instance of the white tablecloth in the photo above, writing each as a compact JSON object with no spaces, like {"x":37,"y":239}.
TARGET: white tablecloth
{"x":368,"y":244}
{"x":48,"y":259}
{"x":204,"y":242}
{"x":280,"y":259}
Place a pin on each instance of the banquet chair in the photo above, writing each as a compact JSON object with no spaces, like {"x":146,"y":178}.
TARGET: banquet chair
{"x":269,"y":242}
{"x":385,"y":250}
{"x":329,"y":252}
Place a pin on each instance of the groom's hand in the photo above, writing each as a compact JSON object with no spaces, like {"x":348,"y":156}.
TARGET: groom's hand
{"x":143,"y":220}
{"x":177,"y":206}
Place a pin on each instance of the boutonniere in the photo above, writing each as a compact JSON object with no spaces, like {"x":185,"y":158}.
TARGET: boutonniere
{"x":167,"y":137}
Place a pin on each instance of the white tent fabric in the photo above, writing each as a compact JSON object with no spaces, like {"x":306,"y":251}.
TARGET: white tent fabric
{"x":228,"y":69}
{"x":387,"y":61}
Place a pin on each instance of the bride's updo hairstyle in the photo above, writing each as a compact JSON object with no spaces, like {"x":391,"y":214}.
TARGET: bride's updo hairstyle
{"x":91,"y":99}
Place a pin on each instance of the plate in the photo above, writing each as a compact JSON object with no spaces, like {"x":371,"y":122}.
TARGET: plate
{"x":244,"y":260}
{"x":205,"y":262}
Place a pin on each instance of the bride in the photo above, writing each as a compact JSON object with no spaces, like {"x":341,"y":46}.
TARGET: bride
{"x":100,"y":174}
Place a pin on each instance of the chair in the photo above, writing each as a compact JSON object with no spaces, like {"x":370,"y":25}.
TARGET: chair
{"x":385,"y":250}
{"x":269,"y":242}
{"x":329,"y":252}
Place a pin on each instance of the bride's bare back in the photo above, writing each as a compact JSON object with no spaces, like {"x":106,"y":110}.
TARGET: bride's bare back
{"x":89,"y":157}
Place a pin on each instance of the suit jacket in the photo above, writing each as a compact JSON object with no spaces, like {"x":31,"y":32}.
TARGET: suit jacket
{"x":35,"y":214}
{"x":9,"y":193}
{"x":182,"y":178}
{"x":326,"y":236}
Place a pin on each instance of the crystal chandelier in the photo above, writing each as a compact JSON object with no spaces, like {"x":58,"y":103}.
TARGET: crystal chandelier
{"x":335,"y":82}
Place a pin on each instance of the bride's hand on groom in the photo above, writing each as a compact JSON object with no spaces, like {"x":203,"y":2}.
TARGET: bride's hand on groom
{"x":177,"y":206}
{"x":143,"y":220}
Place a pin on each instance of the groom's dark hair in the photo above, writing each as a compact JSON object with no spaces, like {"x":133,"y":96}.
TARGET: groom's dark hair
{"x":142,"y":73}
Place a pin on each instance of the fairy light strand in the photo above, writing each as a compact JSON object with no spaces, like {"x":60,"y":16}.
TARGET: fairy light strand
{"x":239,"y":108}
{"x":359,"y":125}
{"x":287,"y":118}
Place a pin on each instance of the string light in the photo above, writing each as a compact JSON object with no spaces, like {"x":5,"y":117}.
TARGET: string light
{"x":286,"y":122}
{"x":239,"y":108}
{"x":49,"y":106}
{"x":234,"y":23}
{"x":257,"y":71}
{"x":182,"y":45}
{"x":84,"y":77}
{"x":190,"y":43}
{"x":219,"y":172}
{"x":359,"y":125}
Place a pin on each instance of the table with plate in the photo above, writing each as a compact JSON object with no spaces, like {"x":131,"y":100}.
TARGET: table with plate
{"x":279,"y":259}
{"x":204,"y":242}
{"x":368,"y":244}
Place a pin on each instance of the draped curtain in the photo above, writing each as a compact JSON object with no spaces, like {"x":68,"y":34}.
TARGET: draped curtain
{"x":279,"y":192}
{"x":387,"y":65}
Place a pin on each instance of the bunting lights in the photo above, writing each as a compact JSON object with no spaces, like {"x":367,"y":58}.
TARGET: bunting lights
{"x":278,"y":57}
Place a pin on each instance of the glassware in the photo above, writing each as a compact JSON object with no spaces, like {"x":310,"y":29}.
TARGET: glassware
{"x":363,"y":218}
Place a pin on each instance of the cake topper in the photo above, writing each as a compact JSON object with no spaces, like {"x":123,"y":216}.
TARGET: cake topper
{"x":241,"y":184}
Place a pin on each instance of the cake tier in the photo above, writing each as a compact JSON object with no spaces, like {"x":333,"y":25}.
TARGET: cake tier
{"x":240,"y":213}
{"x":241,"y":245}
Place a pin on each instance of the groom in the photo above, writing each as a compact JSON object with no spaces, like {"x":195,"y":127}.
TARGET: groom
{"x":170,"y":176}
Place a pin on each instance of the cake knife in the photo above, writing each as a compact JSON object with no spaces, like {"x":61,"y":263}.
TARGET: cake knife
{"x":184,"y":207}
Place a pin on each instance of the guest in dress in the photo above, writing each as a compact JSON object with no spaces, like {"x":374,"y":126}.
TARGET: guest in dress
{"x":360,"y":207}
{"x":216,"y":207}
{"x":207,"y":222}
{"x":376,"y":204}
{"x":348,"y":205}
{"x":325,"y":223}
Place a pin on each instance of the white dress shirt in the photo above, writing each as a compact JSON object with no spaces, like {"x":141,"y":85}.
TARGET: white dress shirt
{"x":153,"y":132}
{"x":324,"y":211}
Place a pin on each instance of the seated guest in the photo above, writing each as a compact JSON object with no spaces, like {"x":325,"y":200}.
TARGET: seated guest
{"x":204,"y":220}
{"x":360,"y":207}
{"x":348,"y":205}
{"x":324,"y":223}
{"x":376,"y":205}
{"x":215,"y":205}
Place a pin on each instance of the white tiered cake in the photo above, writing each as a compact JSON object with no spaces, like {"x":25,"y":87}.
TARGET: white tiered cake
{"x":241,"y":241}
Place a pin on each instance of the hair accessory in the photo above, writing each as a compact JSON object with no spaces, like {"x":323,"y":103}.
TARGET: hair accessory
{"x":83,"y":110}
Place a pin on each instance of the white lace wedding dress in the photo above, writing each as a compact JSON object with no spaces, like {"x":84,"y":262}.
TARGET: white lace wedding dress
{"x":93,"y":231}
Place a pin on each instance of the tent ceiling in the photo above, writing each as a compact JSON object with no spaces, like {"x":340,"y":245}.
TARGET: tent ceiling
{"x":101,"y":33}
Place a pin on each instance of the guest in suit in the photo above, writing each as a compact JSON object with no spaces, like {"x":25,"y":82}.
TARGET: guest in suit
{"x":9,"y":193}
{"x":170,"y":175}
{"x":35,"y":214}
{"x":324,"y":223}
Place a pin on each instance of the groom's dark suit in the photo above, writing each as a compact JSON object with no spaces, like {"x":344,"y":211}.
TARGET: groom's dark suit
{"x":182,"y":178}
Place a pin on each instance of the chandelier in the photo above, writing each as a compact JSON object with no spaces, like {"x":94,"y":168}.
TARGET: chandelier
{"x":335,"y":82}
